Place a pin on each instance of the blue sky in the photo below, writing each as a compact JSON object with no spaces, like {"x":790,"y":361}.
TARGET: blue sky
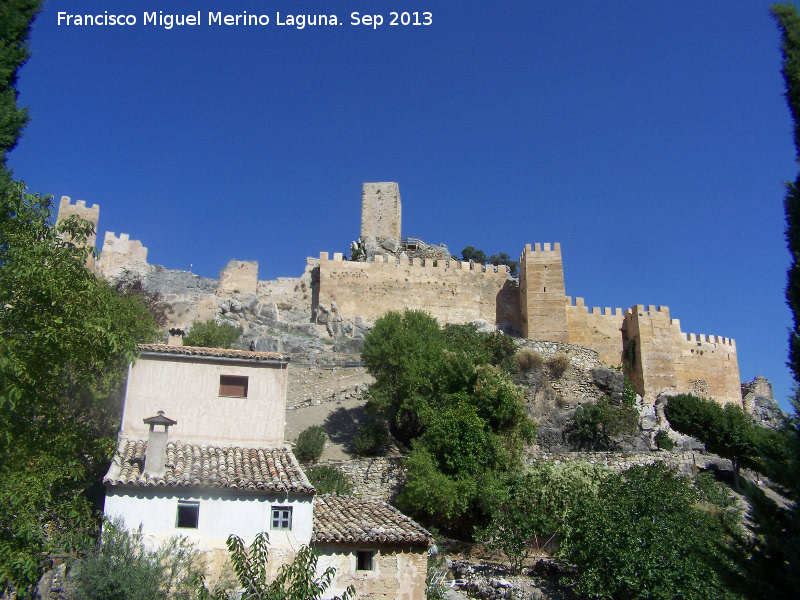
{"x":651,"y":139}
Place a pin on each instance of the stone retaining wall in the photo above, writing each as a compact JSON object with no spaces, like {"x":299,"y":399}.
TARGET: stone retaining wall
{"x":380,"y":477}
{"x":685,"y":462}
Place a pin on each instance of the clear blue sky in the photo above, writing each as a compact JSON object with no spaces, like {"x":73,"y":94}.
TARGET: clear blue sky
{"x":650,"y":138}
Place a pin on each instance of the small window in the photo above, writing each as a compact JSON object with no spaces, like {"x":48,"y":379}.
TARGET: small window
{"x":188,"y":514}
{"x":282,"y":517}
{"x":233,"y":386}
{"x":364,"y":560}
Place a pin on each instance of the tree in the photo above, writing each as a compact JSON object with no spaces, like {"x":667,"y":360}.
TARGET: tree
{"x":648,"y":534}
{"x":726,"y":430}
{"x":297,"y":580}
{"x":505,"y":259}
{"x":768,"y":561}
{"x":66,"y":338}
{"x":16,"y":18}
{"x":122,"y":567}
{"x":537,"y":507}
{"x":473,"y":254}
{"x":210,"y":334}
{"x":444,"y":392}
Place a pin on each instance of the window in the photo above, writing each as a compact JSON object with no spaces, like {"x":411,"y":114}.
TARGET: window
{"x":188,"y":514}
{"x":364,"y":560}
{"x":282,"y":517}
{"x":233,"y":386}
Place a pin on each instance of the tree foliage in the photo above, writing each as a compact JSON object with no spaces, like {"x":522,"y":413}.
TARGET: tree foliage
{"x":16,"y":19}
{"x":471,"y":253}
{"x":726,"y":430}
{"x":210,"y":334}
{"x":445,"y":392}
{"x":505,"y":259}
{"x":537,"y":507}
{"x":66,"y":338}
{"x":594,"y":426}
{"x":647,"y":534}
{"x":121,"y":567}
{"x":297,"y":580}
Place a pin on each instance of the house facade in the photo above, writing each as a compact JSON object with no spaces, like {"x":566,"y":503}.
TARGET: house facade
{"x":201,"y":454}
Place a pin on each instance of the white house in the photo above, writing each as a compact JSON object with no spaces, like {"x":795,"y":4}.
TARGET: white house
{"x":201,"y":454}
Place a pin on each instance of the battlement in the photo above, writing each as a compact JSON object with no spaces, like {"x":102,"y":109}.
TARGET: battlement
{"x":67,"y":209}
{"x":379,"y":260}
{"x":542,"y":250}
{"x":595,"y":310}
{"x":708,"y":339}
{"x":121,"y":255}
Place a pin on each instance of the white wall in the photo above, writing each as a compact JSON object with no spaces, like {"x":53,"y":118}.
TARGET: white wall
{"x":155,"y":509}
{"x":187,"y":390}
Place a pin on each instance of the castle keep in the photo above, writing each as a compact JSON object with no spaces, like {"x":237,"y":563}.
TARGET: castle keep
{"x":346,"y":296}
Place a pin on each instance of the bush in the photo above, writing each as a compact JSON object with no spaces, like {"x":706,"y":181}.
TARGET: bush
{"x":558,"y":365}
{"x":329,"y":480}
{"x":210,"y":334}
{"x":371,"y":439}
{"x":663,"y":441}
{"x":310,"y":443}
{"x":529,"y":360}
{"x":593,"y":426}
{"x":121,"y":567}
{"x":647,"y":534}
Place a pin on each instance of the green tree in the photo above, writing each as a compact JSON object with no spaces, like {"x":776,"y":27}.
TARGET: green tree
{"x":122,"y":567}
{"x":445,"y":392}
{"x":505,"y":259}
{"x":768,"y":561}
{"x":726,"y":430}
{"x":594,"y":426}
{"x":297,"y":580}
{"x":537,"y":507}
{"x":648,"y":534}
{"x":210,"y":334}
{"x":16,"y":18}
{"x":473,"y":254}
{"x":66,"y":338}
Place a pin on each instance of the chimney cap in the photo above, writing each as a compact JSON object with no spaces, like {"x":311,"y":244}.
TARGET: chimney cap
{"x":159,"y":419}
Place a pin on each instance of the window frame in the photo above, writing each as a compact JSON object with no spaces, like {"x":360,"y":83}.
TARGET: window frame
{"x":282,"y":515}
{"x":183,"y":506}
{"x":365,"y":555}
{"x":228,"y":384}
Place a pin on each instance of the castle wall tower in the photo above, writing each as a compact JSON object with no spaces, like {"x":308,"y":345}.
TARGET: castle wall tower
{"x":66,"y":209}
{"x":381,"y":210}
{"x":649,"y":353}
{"x":543,"y":302}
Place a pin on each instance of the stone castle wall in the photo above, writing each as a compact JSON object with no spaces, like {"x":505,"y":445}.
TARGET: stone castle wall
{"x":88,"y":213}
{"x":339,"y":299}
{"x":450,"y":291}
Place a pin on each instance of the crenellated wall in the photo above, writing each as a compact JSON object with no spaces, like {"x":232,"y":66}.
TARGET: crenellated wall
{"x":89,"y":213}
{"x":662,"y":357}
{"x":658,"y":355}
{"x":600,"y":330}
{"x":122,"y":255}
{"x":450,"y":291}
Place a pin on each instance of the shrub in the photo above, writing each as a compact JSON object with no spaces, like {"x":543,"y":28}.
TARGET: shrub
{"x":329,"y":480}
{"x":663,"y":441}
{"x":558,"y":365}
{"x":210,"y":334}
{"x":371,"y":439}
{"x":593,"y":426}
{"x":645,"y":535}
{"x":529,"y":360}
{"x":122,"y":567}
{"x":310,"y":443}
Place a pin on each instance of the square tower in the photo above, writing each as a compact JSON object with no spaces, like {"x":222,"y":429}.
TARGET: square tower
{"x":381,"y":210}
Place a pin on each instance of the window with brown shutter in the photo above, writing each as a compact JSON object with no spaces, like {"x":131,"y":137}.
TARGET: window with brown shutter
{"x":233,"y":386}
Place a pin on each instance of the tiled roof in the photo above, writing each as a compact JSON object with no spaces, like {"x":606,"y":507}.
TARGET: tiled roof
{"x":343,"y":519}
{"x":212,"y":352}
{"x":192,"y":465}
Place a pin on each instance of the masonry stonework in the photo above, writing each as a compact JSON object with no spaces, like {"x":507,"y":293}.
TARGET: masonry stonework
{"x":341,"y":298}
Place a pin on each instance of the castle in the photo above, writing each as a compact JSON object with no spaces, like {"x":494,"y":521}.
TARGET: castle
{"x":347,"y":295}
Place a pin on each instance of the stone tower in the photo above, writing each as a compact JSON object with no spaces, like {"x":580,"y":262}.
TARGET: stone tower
{"x":542,"y":296}
{"x":380,"y":210}
{"x":66,"y":209}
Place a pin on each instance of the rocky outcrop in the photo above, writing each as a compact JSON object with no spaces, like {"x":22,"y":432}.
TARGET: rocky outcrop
{"x":759,"y":403}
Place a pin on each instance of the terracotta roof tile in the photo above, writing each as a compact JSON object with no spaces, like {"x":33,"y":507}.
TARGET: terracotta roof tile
{"x":212,"y":352}
{"x":192,"y":465}
{"x":343,"y":519}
